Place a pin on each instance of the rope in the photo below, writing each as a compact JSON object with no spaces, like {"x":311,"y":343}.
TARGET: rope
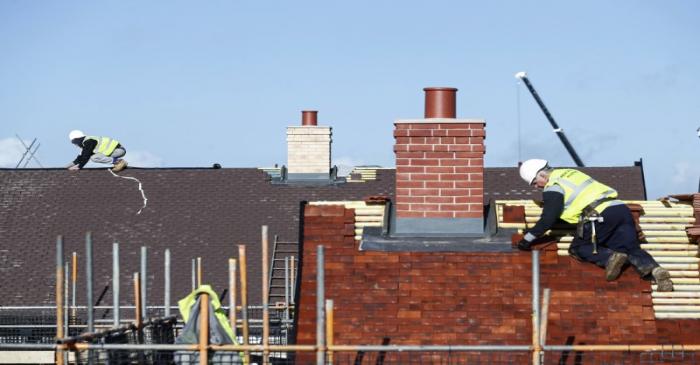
{"x":145,"y":200}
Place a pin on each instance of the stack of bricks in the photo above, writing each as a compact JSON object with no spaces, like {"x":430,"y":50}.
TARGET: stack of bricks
{"x":308,"y":149}
{"x":468,"y":298}
{"x":439,"y":168}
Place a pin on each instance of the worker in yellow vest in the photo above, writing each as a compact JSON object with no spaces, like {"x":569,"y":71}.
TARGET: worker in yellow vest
{"x":97,"y":149}
{"x":606,"y":234}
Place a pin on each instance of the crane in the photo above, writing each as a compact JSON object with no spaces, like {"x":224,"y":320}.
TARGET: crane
{"x":522,"y":75}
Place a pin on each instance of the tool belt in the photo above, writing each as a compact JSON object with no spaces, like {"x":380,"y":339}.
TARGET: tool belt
{"x":590,"y":214}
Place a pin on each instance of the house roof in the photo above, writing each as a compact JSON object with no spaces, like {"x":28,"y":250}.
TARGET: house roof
{"x":195,"y":212}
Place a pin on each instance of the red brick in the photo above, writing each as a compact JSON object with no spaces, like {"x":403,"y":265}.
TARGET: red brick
{"x":439,"y":199}
{"x":420,"y":133}
{"x":455,"y":177}
{"x":411,"y":169}
{"x":400,"y":133}
{"x":454,"y":162}
{"x":458,"y":133}
{"x":440,"y":184}
{"x":424,"y":192}
{"x":411,"y":184}
{"x":469,"y":184}
{"x":455,"y":126}
{"x":425,"y":177}
{"x":425,"y":207}
{"x":410,"y":155}
{"x":439,"y":154}
{"x":424,"y":162}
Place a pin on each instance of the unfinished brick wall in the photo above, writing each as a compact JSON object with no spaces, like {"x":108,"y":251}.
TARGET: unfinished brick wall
{"x":468,"y":298}
{"x":439,"y":168}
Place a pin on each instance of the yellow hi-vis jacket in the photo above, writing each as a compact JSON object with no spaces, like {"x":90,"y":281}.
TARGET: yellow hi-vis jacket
{"x":186,"y":303}
{"x":580,"y":190}
{"x":105,"y":145}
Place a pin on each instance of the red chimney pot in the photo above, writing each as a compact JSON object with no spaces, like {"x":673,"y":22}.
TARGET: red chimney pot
{"x":440,"y":102}
{"x":308,"y":117}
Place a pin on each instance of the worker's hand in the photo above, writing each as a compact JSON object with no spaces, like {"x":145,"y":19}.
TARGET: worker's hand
{"x":74,"y":168}
{"x":524,"y":245}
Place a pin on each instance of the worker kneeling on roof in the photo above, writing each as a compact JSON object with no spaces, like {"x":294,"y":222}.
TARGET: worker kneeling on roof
{"x":606,"y":234}
{"x":97,"y":149}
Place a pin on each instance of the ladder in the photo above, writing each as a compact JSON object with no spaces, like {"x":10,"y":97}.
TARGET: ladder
{"x":283,"y":272}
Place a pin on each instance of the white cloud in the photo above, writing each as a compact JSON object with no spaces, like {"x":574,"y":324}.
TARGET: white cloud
{"x":11,"y":151}
{"x":143,"y":159}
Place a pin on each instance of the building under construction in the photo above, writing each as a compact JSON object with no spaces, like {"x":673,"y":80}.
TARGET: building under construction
{"x":417,"y":263}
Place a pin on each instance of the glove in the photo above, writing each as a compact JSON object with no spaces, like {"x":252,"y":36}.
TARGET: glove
{"x":524,"y":245}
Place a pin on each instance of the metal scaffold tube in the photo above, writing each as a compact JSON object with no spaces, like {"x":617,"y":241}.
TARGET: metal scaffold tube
{"x":244,"y":298}
{"x":166,"y":298}
{"x":144,"y":283}
{"x":320,"y":302}
{"x":88,"y":282}
{"x":59,"y":295}
{"x":536,"y":348}
{"x":115,"y":283}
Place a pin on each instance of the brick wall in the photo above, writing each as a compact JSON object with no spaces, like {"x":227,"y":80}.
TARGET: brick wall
{"x":439,"y":168}
{"x":468,"y":298}
{"x":308,"y":149}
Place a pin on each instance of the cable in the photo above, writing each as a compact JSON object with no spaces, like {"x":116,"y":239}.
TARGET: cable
{"x":143,"y":194}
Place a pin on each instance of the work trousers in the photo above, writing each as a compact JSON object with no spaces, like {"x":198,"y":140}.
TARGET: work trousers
{"x":102,"y":158}
{"x":617,"y":233}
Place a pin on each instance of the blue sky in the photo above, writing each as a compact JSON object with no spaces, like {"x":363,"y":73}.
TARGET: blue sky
{"x":184,"y":83}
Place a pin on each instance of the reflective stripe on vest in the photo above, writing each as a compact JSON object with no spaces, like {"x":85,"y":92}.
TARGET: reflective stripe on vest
{"x":105,"y":145}
{"x":580,"y":190}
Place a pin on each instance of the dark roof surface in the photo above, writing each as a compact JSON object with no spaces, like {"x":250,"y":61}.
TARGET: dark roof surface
{"x":504,"y":183}
{"x":193,"y":212}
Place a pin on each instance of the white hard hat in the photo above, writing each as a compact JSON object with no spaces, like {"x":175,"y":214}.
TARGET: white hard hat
{"x":530,"y":168}
{"x":75,"y":134}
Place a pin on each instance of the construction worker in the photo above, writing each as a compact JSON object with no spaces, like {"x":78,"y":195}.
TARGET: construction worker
{"x":606,"y":234}
{"x":97,"y":149}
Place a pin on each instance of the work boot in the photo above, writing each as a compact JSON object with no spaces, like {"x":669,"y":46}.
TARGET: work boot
{"x":120,"y":165}
{"x":663,"y":279}
{"x":613,"y":268}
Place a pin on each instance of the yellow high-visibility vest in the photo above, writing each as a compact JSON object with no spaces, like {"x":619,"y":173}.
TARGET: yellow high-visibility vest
{"x":580,"y":190}
{"x":105,"y":145}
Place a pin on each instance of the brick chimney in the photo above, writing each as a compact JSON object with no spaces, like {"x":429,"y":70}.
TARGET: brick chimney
{"x":439,"y":170}
{"x":308,"y":148}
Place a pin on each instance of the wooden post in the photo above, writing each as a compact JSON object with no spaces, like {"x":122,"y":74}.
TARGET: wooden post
{"x":203,"y":329}
{"x":137,"y":301}
{"x":59,"y":297}
{"x":329,"y":329}
{"x":232,"y":296}
{"x":265,"y":298}
{"x":244,"y":299}
{"x":543,"y":320}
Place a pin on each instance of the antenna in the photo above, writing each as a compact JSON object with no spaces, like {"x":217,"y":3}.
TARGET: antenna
{"x":28,"y":149}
